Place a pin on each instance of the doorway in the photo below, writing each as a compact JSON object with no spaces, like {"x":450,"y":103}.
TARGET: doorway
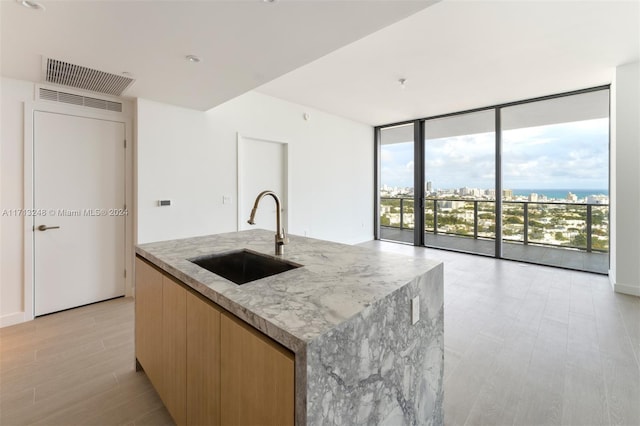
{"x":262,"y":165}
{"x":79,"y":197}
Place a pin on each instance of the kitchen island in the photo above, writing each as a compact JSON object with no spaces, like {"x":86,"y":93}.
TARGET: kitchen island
{"x":364,"y":328}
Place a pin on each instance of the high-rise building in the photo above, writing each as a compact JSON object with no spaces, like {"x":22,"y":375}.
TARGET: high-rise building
{"x":507,"y":194}
{"x":572,"y":197}
{"x":533,"y":197}
{"x":428,"y":188}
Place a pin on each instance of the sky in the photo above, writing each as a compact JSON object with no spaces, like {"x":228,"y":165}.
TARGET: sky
{"x":560,"y":156}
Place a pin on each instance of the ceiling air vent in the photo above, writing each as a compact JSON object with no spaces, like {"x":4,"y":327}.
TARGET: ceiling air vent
{"x":70,"y":98}
{"x":66,"y":74}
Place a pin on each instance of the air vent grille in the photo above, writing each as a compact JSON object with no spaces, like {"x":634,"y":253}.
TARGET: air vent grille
{"x":70,"y":98}
{"x":67,"y":74}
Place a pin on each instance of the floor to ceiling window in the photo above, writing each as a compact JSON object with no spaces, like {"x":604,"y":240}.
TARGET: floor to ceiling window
{"x":459,"y":170}
{"x":555,"y":171}
{"x":396,"y":165}
{"x":525,"y":181}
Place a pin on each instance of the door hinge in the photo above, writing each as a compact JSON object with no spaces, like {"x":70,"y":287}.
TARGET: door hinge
{"x":125,"y":143}
{"x":125,"y":273}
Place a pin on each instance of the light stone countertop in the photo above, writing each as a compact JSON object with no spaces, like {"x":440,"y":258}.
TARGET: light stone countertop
{"x":336,"y":282}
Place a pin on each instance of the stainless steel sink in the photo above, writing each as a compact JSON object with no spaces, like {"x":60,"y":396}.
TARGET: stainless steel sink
{"x":243,"y":266}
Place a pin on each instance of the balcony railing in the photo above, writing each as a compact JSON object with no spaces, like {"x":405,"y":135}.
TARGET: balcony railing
{"x":559,"y":224}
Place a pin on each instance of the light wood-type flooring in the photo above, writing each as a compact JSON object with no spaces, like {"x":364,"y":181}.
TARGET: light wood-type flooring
{"x":524,"y":345}
{"x":76,"y":368}
{"x":534,"y":345}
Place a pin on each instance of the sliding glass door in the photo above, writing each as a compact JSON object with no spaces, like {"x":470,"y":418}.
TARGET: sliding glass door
{"x":555,"y":166}
{"x":459,"y":174}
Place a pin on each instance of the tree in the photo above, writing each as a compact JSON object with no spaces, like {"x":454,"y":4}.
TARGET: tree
{"x":579,"y":240}
{"x":514,"y":220}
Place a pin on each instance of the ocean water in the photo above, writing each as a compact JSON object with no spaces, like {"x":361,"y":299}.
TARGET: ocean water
{"x":561,"y":194}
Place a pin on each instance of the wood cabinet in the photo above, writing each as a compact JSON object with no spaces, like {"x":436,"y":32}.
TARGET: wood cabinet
{"x":173,"y":390}
{"x":208,"y":367}
{"x":149,"y":320}
{"x":257,"y":377}
{"x":203,"y":361}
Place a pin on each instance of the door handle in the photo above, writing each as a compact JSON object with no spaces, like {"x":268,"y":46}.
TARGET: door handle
{"x":45,"y":227}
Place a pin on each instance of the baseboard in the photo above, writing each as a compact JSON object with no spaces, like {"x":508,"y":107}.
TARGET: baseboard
{"x":632,"y":290}
{"x":627,"y":289}
{"x":612,"y":279}
{"x":11,"y":319}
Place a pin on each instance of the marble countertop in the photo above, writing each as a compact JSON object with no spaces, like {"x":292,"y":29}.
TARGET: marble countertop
{"x":336,"y":282}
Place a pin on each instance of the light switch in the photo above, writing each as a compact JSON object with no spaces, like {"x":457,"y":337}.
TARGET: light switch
{"x":415,"y":309}
{"x":226,"y":199}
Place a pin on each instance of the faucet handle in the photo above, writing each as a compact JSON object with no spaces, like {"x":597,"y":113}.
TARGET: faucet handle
{"x":284,"y":239}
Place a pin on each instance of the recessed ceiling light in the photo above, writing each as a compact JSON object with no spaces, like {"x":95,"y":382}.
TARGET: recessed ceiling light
{"x":30,"y":4}
{"x":269,"y":1}
{"x":402,"y":82}
{"x":192,"y":58}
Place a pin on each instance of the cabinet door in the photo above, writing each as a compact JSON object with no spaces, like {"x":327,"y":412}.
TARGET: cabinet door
{"x":148,"y":281}
{"x":257,"y":377}
{"x":173,"y":390}
{"x":203,"y":362}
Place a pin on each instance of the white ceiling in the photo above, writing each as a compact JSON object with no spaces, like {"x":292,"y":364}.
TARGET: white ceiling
{"x":459,"y":55}
{"x":242,"y":43}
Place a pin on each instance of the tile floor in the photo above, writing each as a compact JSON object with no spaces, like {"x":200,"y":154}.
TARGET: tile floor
{"x":76,"y":368}
{"x":535,"y":345}
{"x":524,"y":345}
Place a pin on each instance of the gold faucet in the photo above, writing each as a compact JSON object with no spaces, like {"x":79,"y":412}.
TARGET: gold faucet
{"x":281,"y":237}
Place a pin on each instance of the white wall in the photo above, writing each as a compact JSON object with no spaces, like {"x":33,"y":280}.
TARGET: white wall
{"x":625,"y":180}
{"x":190,"y":157}
{"x":13,"y":94}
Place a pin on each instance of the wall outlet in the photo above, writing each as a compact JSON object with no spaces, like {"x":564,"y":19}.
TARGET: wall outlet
{"x":415,"y":309}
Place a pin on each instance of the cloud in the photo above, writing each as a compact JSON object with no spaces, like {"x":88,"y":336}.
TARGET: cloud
{"x":397,"y":164}
{"x":566,"y":155}
{"x":386,"y":156}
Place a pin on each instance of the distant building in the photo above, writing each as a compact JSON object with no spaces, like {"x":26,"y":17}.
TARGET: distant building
{"x":507,"y":194}
{"x":572,"y":197}
{"x":470,"y":192}
{"x":490,"y":193}
{"x":597,"y":199}
{"x":533,"y":197}
{"x":429,"y":187}
{"x":451,"y":204}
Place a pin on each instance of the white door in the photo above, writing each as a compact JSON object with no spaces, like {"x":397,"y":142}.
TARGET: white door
{"x":79,"y":192}
{"x":262,"y":166}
